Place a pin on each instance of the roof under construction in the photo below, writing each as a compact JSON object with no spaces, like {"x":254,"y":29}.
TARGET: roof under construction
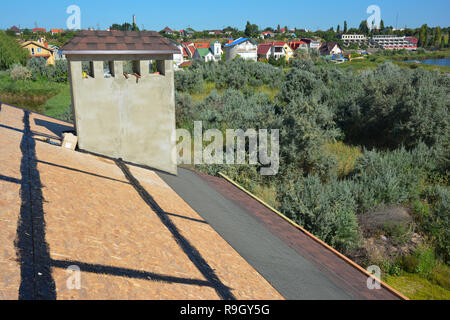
{"x":119,"y":42}
{"x":137,"y":233}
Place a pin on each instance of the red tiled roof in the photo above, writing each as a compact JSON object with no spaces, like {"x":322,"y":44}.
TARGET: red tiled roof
{"x":201,"y":45}
{"x":119,"y":42}
{"x":57,"y":30}
{"x":263,"y":48}
{"x":191,"y":50}
{"x":14,"y":28}
{"x":38,"y":29}
{"x":295,"y":44}
{"x":185,"y":64}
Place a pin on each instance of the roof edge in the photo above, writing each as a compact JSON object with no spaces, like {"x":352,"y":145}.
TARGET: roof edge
{"x":119,"y":52}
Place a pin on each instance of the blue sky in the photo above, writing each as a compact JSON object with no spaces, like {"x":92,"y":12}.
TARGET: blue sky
{"x":207,"y":14}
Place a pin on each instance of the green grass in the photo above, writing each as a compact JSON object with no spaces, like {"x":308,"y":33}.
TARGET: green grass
{"x":270,"y":91}
{"x":207,"y":88}
{"x":58,"y":104}
{"x":32,"y":95}
{"x":346,"y":156}
{"x":417,"y":288}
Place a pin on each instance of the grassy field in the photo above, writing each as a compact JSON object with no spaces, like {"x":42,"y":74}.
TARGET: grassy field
{"x":44,"y":97}
{"x":399,"y":59}
{"x":210,"y":86}
{"x":416,"y":287}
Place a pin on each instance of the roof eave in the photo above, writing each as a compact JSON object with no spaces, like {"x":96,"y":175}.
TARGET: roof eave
{"x":118,"y":52}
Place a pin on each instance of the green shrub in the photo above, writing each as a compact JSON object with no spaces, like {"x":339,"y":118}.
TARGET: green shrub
{"x":19,"y":72}
{"x":435,"y":221}
{"x":327,"y":210}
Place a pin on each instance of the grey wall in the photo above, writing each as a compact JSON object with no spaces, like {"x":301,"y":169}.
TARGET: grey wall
{"x":132,"y":119}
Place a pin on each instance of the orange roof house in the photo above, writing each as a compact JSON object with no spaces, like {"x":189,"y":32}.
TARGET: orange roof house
{"x":201,"y":45}
{"x":54,"y":31}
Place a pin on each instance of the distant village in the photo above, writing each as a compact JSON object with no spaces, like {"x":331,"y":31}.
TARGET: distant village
{"x":263,"y":46}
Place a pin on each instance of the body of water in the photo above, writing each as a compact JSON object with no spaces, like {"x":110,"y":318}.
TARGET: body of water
{"x":437,"y":62}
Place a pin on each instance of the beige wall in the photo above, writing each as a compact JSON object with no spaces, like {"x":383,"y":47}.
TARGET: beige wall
{"x":132,"y":119}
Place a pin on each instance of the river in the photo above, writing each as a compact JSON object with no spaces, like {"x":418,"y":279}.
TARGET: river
{"x":437,"y":62}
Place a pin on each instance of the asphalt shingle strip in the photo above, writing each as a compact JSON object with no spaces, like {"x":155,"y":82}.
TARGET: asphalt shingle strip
{"x":293,"y":275}
{"x":270,"y":244}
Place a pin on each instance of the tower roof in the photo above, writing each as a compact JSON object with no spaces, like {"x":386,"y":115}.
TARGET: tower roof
{"x":119,"y":42}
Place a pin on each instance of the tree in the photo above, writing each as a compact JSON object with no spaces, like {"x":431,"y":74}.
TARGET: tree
{"x":381,"y":25}
{"x":437,"y":40}
{"x":10,"y":52}
{"x":345,"y":26}
{"x":363,"y":28}
{"x":338,"y":30}
{"x":423,"y":36}
{"x":251,"y":30}
{"x":278,"y":29}
{"x":124,"y":27}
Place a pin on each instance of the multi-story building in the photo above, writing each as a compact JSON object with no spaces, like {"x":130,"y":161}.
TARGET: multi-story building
{"x":349,"y":39}
{"x":392,"y":42}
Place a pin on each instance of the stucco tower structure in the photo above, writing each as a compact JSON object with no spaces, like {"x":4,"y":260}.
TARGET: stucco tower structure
{"x":122,"y":107}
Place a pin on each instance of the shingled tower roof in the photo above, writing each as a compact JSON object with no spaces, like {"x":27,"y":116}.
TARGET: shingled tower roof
{"x":119,"y":42}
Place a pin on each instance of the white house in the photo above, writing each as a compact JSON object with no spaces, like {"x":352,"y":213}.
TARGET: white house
{"x":205,"y":54}
{"x":330,"y":48}
{"x":216,"y":49}
{"x":246,"y":48}
{"x":178,"y":57}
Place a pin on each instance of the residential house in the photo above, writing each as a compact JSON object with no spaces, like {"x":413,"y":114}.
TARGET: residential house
{"x":58,"y":52}
{"x":185,"y":64}
{"x":244,"y":47}
{"x":178,"y":58}
{"x":56,"y":31}
{"x":187,"y":33}
{"x":215,"y":32}
{"x":16,"y":30}
{"x":264,"y":51}
{"x":216,"y":49}
{"x":281,"y":49}
{"x":167,"y":30}
{"x":39,"y":49}
{"x":36,"y":30}
{"x":267,"y":34}
{"x":312,"y":44}
{"x":330,"y":48}
{"x":275,"y":50}
{"x":201,"y":45}
{"x":189,"y":49}
{"x":302,"y":45}
{"x":205,"y":54}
